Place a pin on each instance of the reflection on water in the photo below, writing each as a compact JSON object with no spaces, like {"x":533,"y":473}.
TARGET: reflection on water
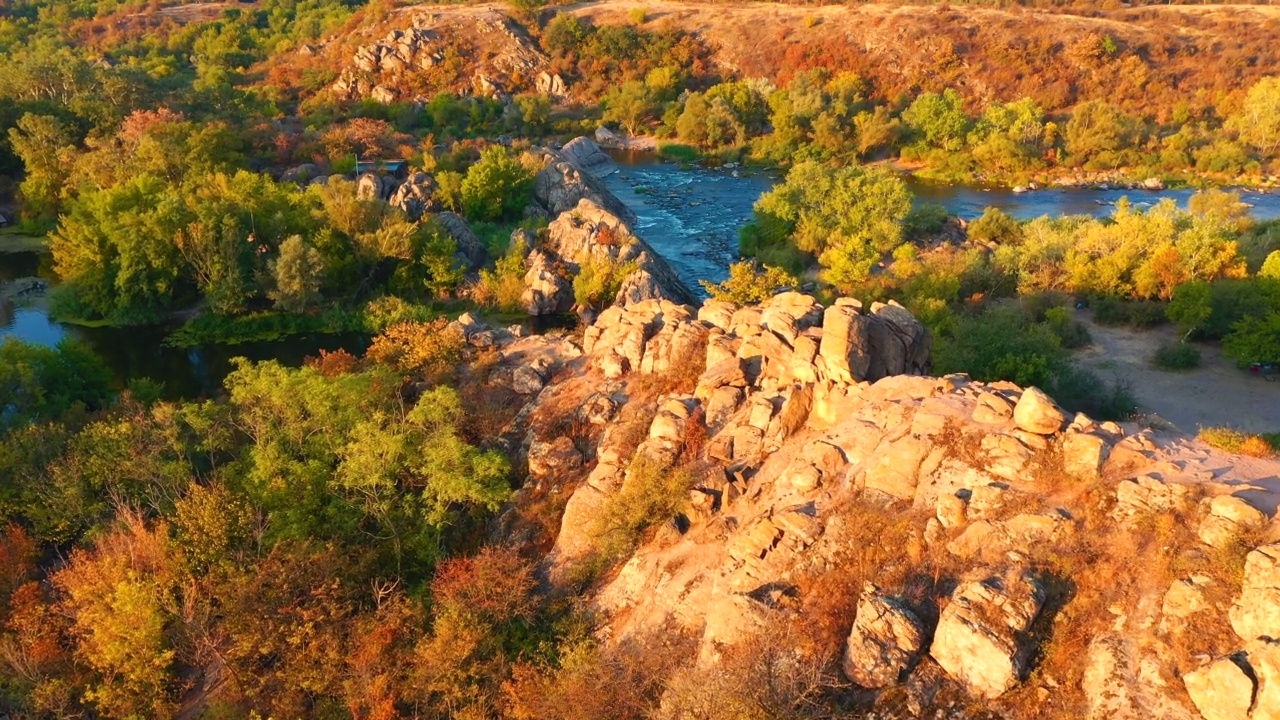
{"x":136,"y":352}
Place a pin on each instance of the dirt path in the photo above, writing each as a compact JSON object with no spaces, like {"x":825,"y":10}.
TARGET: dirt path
{"x":1216,"y":393}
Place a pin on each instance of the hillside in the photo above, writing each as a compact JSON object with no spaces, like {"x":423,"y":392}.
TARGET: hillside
{"x":1146,"y":60}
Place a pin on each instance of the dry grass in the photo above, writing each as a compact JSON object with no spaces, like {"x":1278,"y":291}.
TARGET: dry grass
{"x":1235,"y":441}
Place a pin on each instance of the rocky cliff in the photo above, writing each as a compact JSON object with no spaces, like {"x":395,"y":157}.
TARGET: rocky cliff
{"x":934,"y":546}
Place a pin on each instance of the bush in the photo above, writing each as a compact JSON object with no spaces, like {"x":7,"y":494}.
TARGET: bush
{"x":497,"y":186}
{"x":1235,"y":441}
{"x":1139,"y":314}
{"x":599,"y":280}
{"x":503,"y":286}
{"x":995,"y":226}
{"x":1176,"y":356}
{"x":750,"y":283}
{"x":924,"y":220}
{"x":428,"y":347}
{"x":649,"y":496}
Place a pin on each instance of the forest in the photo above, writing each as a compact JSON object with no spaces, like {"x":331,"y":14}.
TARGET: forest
{"x":318,"y":541}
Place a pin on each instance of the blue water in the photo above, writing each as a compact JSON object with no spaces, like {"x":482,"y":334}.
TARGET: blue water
{"x":691,"y":215}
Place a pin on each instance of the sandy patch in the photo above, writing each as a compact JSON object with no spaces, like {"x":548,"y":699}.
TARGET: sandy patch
{"x":1216,"y":393}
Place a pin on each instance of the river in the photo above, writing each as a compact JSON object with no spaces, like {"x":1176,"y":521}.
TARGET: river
{"x":690,"y":215}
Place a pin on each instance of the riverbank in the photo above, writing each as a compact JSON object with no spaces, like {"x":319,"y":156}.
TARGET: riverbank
{"x":1138,"y":178}
{"x":13,"y":241}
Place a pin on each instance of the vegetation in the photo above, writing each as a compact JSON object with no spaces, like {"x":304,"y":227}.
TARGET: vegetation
{"x":1177,"y":356}
{"x":748,"y":283}
{"x":1235,"y":441}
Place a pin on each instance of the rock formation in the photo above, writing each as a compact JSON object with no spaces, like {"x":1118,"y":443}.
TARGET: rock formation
{"x":418,"y":44}
{"x":994,"y":546}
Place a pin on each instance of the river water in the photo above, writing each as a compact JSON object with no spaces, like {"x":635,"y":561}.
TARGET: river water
{"x":689,"y":215}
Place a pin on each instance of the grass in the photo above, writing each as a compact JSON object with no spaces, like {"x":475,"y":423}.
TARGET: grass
{"x":13,"y":241}
{"x":1240,"y":443}
{"x":678,"y":152}
{"x":212,"y":329}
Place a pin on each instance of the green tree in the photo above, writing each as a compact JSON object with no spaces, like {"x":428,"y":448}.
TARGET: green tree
{"x":297,"y":272}
{"x":628,"y":105}
{"x":848,"y":217}
{"x":1258,"y":120}
{"x":498,"y":186}
{"x":939,"y":119}
{"x":46,"y":149}
{"x":42,"y":383}
{"x":1098,"y":132}
{"x":1190,"y":307}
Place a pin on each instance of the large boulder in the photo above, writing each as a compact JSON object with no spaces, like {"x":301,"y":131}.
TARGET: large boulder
{"x":371,"y":186}
{"x":1242,"y":686}
{"x":470,"y":249}
{"x":1037,"y":413}
{"x":546,"y":292}
{"x":845,"y":343}
{"x":885,"y":641}
{"x":981,"y":637}
{"x":586,"y":155}
{"x":1257,"y":611}
{"x":416,"y":196}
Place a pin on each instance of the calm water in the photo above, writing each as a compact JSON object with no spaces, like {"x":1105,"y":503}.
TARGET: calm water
{"x":690,"y":215}
{"x":136,"y":352}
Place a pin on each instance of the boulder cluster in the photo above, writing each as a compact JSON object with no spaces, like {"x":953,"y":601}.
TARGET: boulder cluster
{"x":378,"y":70}
{"x":803,"y":419}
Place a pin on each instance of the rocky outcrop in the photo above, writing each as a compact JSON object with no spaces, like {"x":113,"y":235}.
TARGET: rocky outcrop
{"x":981,"y":636}
{"x":471,"y":250}
{"x":886,"y":639}
{"x":590,"y":233}
{"x":929,"y":497}
{"x":416,"y":196}
{"x":573,"y":174}
{"x":504,"y":59}
{"x":546,"y":290}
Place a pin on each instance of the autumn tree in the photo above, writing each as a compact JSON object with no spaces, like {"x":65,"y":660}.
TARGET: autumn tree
{"x":1258,"y":121}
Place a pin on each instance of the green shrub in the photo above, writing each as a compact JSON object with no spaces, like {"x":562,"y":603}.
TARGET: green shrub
{"x":1176,"y":356}
{"x":1235,"y":441}
{"x":498,"y":186}
{"x":995,"y":226}
{"x":599,"y":280}
{"x":749,"y":282}
{"x":1138,"y":314}
{"x":650,"y":495}
{"x":503,"y":286}
{"x":924,"y":220}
